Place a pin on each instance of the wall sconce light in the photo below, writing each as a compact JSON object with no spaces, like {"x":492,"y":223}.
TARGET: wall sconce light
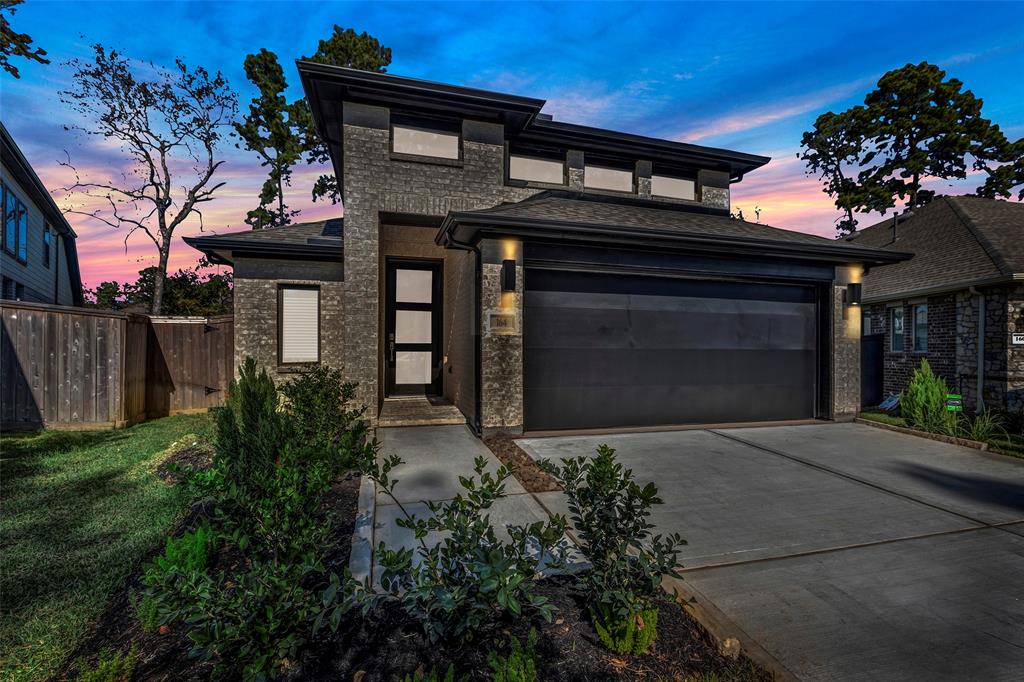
{"x":853,"y":294}
{"x":508,"y":275}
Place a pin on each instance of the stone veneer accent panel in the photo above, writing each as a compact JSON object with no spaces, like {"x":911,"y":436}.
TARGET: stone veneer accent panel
{"x":1015,"y":354}
{"x":845,"y":358}
{"x":501,"y":396}
{"x":256,"y":322}
{"x":374,"y":183}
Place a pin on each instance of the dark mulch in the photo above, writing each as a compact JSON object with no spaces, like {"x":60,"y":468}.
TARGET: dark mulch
{"x":186,"y":456}
{"x":533,"y":478}
{"x":389,"y":645}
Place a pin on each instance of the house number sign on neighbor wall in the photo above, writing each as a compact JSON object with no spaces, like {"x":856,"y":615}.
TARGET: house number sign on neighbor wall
{"x":1017,"y":339}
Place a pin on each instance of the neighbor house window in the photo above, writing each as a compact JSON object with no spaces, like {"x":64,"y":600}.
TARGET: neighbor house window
{"x":298,"y":319}
{"x":896,"y":327}
{"x":47,"y":238}
{"x":921,"y":328}
{"x":602,"y":177}
{"x":673,"y":188}
{"x":12,"y":290}
{"x":535,"y":169}
{"x":424,"y":140}
{"x":15,"y":225}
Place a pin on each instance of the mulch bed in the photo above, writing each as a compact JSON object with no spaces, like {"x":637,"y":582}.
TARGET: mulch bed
{"x":388,"y":645}
{"x":526,"y":471}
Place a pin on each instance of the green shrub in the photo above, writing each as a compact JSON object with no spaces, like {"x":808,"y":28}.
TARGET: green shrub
{"x":633,"y":634}
{"x":319,"y":404}
{"x":420,"y":676}
{"x":460,"y":585}
{"x":147,"y":610}
{"x":185,"y":555}
{"x":610,"y":512}
{"x":110,"y":666}
{"x":521,"y":663}
{"x":986,"y":426}
{"x":923,"y":404}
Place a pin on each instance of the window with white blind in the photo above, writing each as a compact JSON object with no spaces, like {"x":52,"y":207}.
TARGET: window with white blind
{"x":672,"y":188}
{"x":298,"y":318}
{"x":441,"y":144}
{"x":534,"y":169}
{"x":602,"y":177}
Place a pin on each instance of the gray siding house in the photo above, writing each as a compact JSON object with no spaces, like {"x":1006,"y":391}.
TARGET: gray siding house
{"x":38,"y":260}
{"x":959,"y":302}
{"x":528,"y":274}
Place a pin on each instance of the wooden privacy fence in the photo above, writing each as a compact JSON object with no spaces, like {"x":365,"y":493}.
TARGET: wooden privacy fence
{"x":78,"y":367}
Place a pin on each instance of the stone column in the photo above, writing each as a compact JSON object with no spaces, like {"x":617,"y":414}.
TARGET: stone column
{"x":846,"y":333}
{"x":714,"y":189}
{"x":644,"y":170}
{"x":501,"y":345}
{"x":574,"y":160}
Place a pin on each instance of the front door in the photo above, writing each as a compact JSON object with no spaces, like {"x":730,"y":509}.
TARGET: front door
{"x":413,"y":333}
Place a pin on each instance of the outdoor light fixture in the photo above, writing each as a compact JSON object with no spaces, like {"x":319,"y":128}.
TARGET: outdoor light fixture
{"x":508,"y":275}
{"x":853,"y":294}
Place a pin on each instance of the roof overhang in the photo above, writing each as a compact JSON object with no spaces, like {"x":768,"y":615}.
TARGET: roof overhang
{"x":944,"y":288}
{"x":224,"y":251}
{"x":462,"y":229}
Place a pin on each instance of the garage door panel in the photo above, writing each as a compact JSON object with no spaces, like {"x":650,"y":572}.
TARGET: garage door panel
{"x":611,"y":350}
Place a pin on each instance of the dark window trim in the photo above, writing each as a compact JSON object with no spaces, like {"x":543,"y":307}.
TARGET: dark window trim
{"x":913,"y":336}
{"x":13,"y":253}
{"x":47,"y":245}
{"x":430,"y":125}
{"x":554,"y":155}
{"x":892,"y":330}
{"x":610,"y":165}
{"x":280,"y":324}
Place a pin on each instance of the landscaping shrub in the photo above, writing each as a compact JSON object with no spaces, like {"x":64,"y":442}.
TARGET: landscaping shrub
{"x":319,"y":404}
{"x":985,"y":427}
{"x":186,"y":555}
{"x":458,"y":587}
{"x":610,"y":513}
{"x":521,"y":663}
{"x":110,"y":666}
{"x":923,"y":403}
{"x":420,"y":676}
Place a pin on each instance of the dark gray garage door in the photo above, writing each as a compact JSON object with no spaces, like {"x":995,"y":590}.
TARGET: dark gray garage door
{"x":616,"y":350}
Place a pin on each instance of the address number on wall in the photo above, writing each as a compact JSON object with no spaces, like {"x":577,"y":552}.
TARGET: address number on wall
{"x":1017,"y":339}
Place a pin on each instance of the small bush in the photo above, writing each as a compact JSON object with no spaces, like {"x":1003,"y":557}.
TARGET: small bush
{"x":521,"y":663}
{"x":147,"y":610}
{"x":985,"y":427}
{"x":111,"y":666}
{"x":610,"y":512}
{"x":186,"y":555}
{"x":319,"y":404}
{"x":432,"y":676}
{"x":633,"y":634}
{"x":458,"y":587}
{"x":923,"y":404}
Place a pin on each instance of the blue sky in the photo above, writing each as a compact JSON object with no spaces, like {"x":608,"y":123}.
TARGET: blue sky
{"x":748,"y":76}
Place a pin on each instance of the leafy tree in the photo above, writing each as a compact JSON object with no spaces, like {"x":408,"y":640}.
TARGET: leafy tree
{"x":166,"y":121}
{"x":1003,"y":178}
{"x":107,"y":295}
{"x":186,"y":292}
{"x":269,"y":130}
{"x":14,"y":44}
{"x":915,"y":124}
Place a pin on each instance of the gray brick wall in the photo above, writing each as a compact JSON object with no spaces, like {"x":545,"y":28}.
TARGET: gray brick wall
{"x":845,"y":358}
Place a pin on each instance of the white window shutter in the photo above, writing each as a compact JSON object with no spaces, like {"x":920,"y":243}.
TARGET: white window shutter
{"x":300,"y":324}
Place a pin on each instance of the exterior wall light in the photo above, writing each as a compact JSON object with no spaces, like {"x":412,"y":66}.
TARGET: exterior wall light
{"x":853,"y":294}
{"x":508,"y":275}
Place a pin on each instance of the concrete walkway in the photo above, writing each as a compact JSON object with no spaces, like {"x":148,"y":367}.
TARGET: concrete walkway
{"x":435,"y":457}
{"x":841,"y":551}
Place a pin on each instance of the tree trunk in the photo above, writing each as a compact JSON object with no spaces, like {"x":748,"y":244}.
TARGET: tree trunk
{"x":159,"y":278}
{"x":280,"y":197}
{"x":914,"y":187}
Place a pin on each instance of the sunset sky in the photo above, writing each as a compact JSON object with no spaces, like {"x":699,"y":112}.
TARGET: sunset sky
{"x":750,"y":77}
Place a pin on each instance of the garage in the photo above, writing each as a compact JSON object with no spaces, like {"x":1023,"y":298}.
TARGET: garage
{"x":603,"y":350}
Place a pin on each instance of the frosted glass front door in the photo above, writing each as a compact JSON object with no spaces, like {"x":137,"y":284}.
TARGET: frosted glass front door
{"x":412,"y":367}
{"x":413,"y":328}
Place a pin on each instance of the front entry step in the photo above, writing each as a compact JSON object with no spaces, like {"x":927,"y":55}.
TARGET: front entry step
{"x":418,"y":411}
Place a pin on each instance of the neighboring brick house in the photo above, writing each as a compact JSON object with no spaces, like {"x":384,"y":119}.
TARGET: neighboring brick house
{"x":539,"y":275}
{"x":38,"y":259}
{"x":959,"y":300}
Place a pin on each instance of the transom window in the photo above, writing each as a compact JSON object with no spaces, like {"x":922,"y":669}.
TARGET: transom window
{"x":15,"y":225}
{"x":896,"y":329}
{"x":424,"y":140}
{"x":673,"y":188}
{"x":298,"y":320}
{"x":603,"y":177}
{"x":921,"y":328}
{"x":535,"y":169}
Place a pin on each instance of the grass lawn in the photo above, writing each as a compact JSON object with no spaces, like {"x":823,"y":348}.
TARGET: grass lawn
{"x":79,"y":510}
{"x":1006,"y":445}
{"x":884,"y":418}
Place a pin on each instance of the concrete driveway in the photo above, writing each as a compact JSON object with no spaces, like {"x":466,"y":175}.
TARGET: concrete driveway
{"x":841,"y":551}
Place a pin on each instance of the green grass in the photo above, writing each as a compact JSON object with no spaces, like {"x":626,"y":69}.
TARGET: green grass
{"x":884,"y":418}
{"x":80,"y":508}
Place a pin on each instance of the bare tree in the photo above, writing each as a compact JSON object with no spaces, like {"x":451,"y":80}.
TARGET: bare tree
{"x":169,"y":123}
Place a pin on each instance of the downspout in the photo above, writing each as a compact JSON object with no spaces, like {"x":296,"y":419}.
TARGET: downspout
{"x":980,"y":405}
{"x":451,"y":242}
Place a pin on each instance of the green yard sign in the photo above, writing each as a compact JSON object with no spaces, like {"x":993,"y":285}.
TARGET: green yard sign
{"x":954,"y":402}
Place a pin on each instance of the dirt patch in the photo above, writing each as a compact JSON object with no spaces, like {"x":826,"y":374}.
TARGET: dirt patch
{"x":526,"y":471}
{"x":189,"y":452}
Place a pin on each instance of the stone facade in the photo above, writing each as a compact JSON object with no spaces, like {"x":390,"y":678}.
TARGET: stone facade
{"x":845,"y":358}
{"x":256,"y":331}
{"x":501,"y":350}
{"x":953,"y":325}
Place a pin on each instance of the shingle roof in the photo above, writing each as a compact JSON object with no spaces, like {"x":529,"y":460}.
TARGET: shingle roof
{"x":321,"y":237}
{"x":957,"y":242}
{"x":638,"y":218}
{"x":299,"y":233}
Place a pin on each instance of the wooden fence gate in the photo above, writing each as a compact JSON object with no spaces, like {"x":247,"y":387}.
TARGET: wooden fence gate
{"x":77,"y":367}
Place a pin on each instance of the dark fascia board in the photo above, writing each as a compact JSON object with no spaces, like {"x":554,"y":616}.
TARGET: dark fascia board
{"x":224,"y":251}
{"x":618,"y":143}
{"x":461,"y":229}
{"x":944,"y":288}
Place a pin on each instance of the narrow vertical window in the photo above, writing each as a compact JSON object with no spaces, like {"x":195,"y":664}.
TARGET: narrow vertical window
{"x":896,"y":329}
{"x":22,"y":232}
{"x":298,"y":320}
{"x":10,"y":222}
{"x":865,"y":323}
{"x":47,"y":238}
{"x":921,"y":328}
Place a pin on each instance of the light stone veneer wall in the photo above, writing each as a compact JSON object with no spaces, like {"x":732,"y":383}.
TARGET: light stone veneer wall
{"x":845,"y":357}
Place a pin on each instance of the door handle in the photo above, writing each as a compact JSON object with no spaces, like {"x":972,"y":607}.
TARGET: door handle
{"x":391,"y":348}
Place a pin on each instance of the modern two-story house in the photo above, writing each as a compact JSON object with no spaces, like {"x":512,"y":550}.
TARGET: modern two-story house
{"x":38,"y":259}
{"x":543,"y":276}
